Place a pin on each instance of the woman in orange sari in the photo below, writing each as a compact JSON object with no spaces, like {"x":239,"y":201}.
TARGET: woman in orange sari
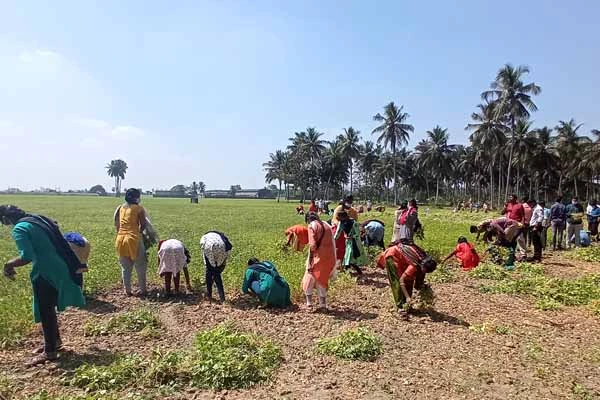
{"x":321,"y":260}
{"x":297,"y":237}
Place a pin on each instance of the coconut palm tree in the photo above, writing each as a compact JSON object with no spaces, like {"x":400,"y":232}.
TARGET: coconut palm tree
{"x":489,"y":136}
{"x":512,"y":102}
{"x":350,"y":142}
{"x":435,"y":154}
{"x":117,"y":169}
{"x":393,"y":131}
{"x":275,"y":168}
{"x":201,"y":188}
{"x":334,"y":165}
{"x":570,"y":147}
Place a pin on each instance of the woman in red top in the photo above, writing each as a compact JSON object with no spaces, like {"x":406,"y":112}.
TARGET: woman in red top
{"x":297,"y":237}
{"x":313,"y":207}
{"x":465,"y":253}
{"x":405,"y":265}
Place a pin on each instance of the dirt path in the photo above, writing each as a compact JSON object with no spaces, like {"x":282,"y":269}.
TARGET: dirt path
{"x":453,"y":352}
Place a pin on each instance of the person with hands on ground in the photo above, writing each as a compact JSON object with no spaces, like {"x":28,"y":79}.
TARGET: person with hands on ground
{"x":262,"y":280}
{"x":54,"y":273}
{"x":465,"y":254}
{"x":216,"y":249}
{"x":406,"y":266}
{"x":173,"y":258}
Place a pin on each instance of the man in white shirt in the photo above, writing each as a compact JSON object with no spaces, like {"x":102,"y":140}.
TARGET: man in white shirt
{"x":536,"y":226}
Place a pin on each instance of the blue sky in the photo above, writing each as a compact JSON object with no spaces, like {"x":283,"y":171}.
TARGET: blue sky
{"x":194,"y":90}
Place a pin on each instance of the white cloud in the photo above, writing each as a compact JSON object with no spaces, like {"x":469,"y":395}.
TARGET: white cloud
{"x":30,"y":56}
{"x":125,"y":130}
{"x":104,"y":128}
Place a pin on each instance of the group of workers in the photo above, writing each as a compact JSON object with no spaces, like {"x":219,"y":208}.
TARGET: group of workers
{"x":334,"y":245}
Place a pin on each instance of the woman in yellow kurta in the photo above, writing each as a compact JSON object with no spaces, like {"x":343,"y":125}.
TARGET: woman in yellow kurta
{"x":321,"y":260}
{"x":345,"y":205}
{"x":130,"y":221}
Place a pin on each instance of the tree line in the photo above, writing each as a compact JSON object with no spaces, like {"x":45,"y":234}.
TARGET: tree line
{"x":506,"y":154}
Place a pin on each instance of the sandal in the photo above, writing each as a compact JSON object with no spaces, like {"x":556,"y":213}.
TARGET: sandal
{"x":41,"y":359}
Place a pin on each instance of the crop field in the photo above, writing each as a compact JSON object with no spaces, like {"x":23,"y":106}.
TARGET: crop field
{"x":531,"y":333}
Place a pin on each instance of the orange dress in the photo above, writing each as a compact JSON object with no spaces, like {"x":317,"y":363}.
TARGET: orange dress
{"x":322,"y":253}
{"x":299,"y":235}
{"x":404,"y":268}
{"x":467,"y":256}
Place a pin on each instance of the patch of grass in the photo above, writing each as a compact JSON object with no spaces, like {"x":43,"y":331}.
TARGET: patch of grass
{"x":502,"y":330}
{"x":125,"y":371}
{"x":355,"y":344}
{"x":100,"y":395}
{"x":226,"y":358}
{"x":547,"y":304}
{"x":589,"y":254}
{"x":490,"y":271}
{"x":222,"y":358}
{"x":581,"y":392}
{"x":143,"y":320}
{"x":443,"y":274}
{"x":533,"y":351}
{"x":8,"y":387}
{"x":550,"y":291}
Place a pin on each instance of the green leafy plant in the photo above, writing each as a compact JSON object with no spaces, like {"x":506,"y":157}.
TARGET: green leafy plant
{"x":226,"y":358}
{"x":142,"y":320}
{"x":502,"y":330}
{"x":354,"y":344}
{"x":581,"y":392}
{"x":123,"y":372}
{"x":443,"y":274}
{"x":589,"y":254}
{"x":490,"y":271}
{"x":547,"y":304}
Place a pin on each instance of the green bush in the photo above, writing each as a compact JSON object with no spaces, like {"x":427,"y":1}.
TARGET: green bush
{"x":228,"y":359}
{"x":354,"y":344}
{"x":490,"y":271}
{"x":142,"y":320}
{"x":589,"y":254}
{"x":443,"y":274}
{"x":117,"y":375}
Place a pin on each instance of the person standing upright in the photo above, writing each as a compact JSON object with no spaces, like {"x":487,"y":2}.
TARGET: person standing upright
{"x":513,"y":209}
{"x":535,"y":230}
{"x":558,"y":218}
{"x":528,"y":206}
{"x":130,"y":221}
{"x":574,"y":222}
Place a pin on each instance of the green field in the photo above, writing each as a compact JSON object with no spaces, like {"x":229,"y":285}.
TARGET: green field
{"x":255,"y":228}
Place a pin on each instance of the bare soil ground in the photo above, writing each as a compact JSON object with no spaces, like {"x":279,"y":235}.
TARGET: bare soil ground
{"x":452,"y":351}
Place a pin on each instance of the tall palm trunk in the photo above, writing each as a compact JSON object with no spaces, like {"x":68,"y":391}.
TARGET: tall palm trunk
{"x":437,"y":189}
{"x":395,"y":177}
{"x":510,"y":156}
{"x":279,"y":192}
{"x":492,"y":185}
{"x":351,"y":186}
{"x":117,"y":186}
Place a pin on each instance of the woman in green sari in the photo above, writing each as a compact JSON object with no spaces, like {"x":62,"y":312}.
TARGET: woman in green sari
{"x":55,"y":276}
{"x":355,"y":256}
